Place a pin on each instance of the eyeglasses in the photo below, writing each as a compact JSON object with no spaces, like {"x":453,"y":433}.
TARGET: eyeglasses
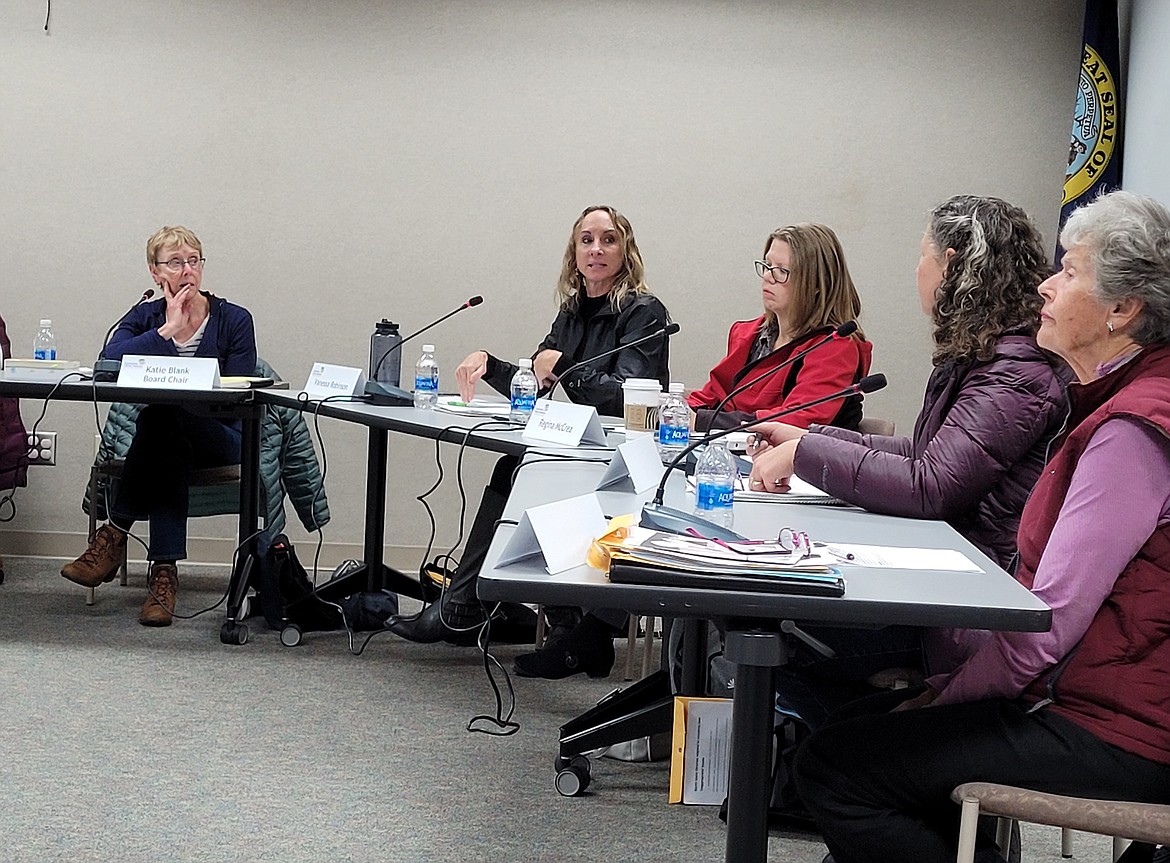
{"x":779,"y":274}
{"x":176,"y":264}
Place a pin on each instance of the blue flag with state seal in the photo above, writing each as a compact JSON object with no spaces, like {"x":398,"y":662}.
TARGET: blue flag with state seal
{"x":1094,"y":156}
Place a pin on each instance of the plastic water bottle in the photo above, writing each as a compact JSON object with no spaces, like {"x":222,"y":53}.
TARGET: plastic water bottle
{"x":674,"y":423}
{"x":524,"y":387}
{"x":715,"y":477}
{"x":45,"y":343}
{"x":385,"y":355}
{"x":426,"y":379}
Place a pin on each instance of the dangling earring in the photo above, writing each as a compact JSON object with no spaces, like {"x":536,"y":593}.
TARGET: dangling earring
{"x":1109,"y":325}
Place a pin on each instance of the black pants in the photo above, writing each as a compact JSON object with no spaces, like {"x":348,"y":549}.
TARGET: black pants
{"x":879,"y":785}
{"x":483,"y":527}
{"x":168,"y":444}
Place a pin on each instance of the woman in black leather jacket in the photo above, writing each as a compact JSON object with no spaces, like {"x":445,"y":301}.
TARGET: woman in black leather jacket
{"x":604,"y":303}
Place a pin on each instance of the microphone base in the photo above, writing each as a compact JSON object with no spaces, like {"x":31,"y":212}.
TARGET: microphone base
{"x":385,"y":395}
{"x":657,"y":516}
{"x":106,"y":370}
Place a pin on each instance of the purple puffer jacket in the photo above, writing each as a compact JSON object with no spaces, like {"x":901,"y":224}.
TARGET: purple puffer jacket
{"x":13,"y":446}
{"x":979,"y":445}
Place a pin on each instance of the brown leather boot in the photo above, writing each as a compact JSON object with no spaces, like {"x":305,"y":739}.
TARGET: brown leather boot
{"x":163,"y":584}
{"x":99,"y":563}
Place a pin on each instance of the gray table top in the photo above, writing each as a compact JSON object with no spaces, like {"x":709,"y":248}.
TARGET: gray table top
{"x":480,"y":432}
{"x":991,"y":599}
{"x":108,"y":391}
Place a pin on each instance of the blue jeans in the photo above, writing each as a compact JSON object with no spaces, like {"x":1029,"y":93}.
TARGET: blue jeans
{"x":169,"y":443}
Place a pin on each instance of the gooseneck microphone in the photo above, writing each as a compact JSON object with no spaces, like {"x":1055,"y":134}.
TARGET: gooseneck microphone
{"x":662,"y":333}
{"x":659,"y":517}
{"x":386,"y":395}
{"x":842,"y":332}
{"x":107,"y":370}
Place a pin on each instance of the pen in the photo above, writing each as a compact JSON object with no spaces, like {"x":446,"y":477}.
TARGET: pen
{"x":836,"y":552}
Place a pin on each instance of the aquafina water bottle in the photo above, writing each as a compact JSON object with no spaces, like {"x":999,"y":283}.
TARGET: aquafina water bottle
{"x":674,"y":423}
{"x":715,"y":477}
{"x":524,"y":387}
{"x":45,"y":343}
{"x":426,"y":379}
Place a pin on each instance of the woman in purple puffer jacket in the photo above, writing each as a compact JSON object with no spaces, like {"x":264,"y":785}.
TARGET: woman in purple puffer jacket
{"x":992,"y":405}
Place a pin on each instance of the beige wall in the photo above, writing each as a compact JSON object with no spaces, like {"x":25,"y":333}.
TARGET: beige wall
{"x":347,"y":160}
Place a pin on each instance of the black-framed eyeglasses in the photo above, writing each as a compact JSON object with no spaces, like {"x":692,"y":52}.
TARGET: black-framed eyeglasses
{"x":176,"y":265}
{"x":779,"y":274}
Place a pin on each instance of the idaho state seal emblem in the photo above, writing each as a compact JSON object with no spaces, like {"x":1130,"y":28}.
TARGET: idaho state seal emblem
{"x":1094,"y":130}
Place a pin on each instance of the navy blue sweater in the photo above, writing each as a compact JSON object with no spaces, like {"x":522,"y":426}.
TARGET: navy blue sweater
{"x":230,"y":336}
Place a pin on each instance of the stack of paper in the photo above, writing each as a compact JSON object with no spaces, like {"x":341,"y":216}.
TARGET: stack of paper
{"x":650,"y":557}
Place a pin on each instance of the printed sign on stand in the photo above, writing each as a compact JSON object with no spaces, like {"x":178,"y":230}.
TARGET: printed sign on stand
{"x":327,"y":380}
{"x":169,"y":373}
{"x":564,"y":424}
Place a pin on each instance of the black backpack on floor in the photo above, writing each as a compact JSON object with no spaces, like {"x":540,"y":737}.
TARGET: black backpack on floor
{"x":286,"y":593}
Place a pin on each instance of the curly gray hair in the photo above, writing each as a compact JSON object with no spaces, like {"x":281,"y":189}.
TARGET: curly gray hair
{"x":1127,"y":237}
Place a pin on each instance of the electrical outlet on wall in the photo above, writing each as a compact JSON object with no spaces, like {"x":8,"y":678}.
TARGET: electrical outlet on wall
{"x":42,"y":448}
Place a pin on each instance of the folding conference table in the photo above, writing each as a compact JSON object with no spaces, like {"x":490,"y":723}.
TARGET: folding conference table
{"x":753,"y":622}
{"x":492,"y":434}
{"x":219,"y":403}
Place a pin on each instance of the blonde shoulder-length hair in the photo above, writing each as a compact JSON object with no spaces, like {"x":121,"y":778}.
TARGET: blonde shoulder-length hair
{"x":630,"y":280}
{"x":822,"y":291}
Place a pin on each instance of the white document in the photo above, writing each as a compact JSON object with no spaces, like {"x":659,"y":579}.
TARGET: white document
{"x":559,"y":532}
{"x":327,"y":380}
{"x":477,"y":407}
{"x":169,"y":373}
{"x":636,"y":465}
{"x":564,"y":424}
{"x":943,"y":559}
{"x":707,"y":759}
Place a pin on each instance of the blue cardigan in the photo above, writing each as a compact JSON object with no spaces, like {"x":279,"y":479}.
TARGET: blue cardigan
{"x":230,"y":336}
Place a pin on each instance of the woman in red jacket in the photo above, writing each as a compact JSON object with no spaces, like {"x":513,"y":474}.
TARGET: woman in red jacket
{"x":807,"y":293}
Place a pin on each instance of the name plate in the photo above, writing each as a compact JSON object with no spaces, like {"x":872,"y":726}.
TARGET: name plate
{"x":636,"y":466}
{"x":559,"y":533}
{"x":564,"y":424}
{"x":169,"y":373}
{"x":327,"y":380}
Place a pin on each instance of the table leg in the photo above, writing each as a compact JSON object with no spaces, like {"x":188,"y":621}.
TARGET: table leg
{"x":375,"y":529}
{"x":756,"y":654}
{"x":373,"y":575}
{"x":234,"y":630}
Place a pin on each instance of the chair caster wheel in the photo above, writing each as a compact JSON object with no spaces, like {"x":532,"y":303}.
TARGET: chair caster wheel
{"x":233,"y":633}
{"x":572,"y":781}
{"x":290,"y":635}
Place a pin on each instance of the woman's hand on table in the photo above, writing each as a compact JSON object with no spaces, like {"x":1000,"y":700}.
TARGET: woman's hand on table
{"x":468,"y":372}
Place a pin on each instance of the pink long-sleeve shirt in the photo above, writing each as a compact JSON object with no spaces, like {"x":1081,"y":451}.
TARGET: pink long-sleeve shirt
{"x":1119,"y":493}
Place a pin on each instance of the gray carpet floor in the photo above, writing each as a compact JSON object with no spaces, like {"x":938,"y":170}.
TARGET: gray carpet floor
{"x":123,"y":743}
